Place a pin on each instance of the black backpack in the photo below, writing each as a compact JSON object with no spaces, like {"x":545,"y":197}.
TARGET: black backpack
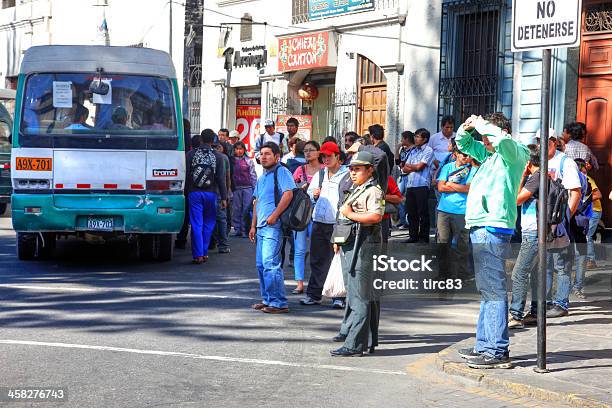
{"x":298,"y":214}
{"x":558,"y":198}
{"x":203,"y":167}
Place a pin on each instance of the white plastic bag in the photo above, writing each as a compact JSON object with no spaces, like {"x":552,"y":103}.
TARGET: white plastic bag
{"x":334,"y":284}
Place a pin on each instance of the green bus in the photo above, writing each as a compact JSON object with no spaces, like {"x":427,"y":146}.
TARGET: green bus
{"x":97,"y":149}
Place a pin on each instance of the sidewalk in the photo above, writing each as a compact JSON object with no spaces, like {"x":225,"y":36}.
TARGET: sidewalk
{"x":579,"y":353}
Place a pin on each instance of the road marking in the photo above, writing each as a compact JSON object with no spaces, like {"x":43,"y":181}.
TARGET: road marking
{"x":203,"y":357}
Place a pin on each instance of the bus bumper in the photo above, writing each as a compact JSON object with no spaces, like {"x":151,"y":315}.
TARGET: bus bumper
{"x":146,"y":213}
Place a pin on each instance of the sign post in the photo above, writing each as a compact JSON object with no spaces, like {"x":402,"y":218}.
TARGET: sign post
{"x":543,"y":25}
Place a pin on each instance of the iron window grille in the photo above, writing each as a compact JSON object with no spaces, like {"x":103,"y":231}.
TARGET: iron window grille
{"x":598,"y":18}
{"x":469,"y":57}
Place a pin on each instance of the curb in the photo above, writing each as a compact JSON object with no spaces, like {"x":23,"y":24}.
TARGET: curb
{"x":489,"y":381}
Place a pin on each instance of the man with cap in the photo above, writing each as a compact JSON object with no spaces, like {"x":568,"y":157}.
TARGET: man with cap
{"x":561,"y":167}
{"x":271,"y":135}
{"x":234,"y":137}
{"x":362,"y":211}
{"x":325,"y":196}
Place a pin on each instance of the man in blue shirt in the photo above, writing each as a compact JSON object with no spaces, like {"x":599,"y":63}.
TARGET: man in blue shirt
{"x":453,"y":184}
{"x":266,"y":227}
{"x":417,"y":169}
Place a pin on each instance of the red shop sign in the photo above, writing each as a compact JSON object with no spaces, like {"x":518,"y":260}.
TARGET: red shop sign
{"x":315,"y":50}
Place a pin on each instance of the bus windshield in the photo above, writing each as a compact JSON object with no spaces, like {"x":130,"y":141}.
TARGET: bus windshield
{"x":59,"y":109}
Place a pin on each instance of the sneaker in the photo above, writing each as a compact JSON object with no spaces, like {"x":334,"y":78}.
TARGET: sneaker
{"x":338,"y":304}
{"x":579,"y":294}
{"x":468,"y":353}
{"x":530,"y":320}
{"x":486,"y":361}
{"x":515,"y":323}
{"x":308,"y":301}
{"x":555,"y":312}
{"x":224,"y":250}
{"x":591,"y":264}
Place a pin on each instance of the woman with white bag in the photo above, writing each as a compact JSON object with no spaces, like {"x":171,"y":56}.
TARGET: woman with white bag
{"x":357,"y":237}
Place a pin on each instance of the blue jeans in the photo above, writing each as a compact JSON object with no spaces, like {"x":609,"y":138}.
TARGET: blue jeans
{"x":490,"y":253}
{"x":268,"y":261}
{"x":202,"y":214}
{"x":402,"y":207}
{"x":593,"y":222}
{"x":300,"y":242}
{"x":561,"y":263}
{"x":524,"y":270}
{"x":221,"y":233}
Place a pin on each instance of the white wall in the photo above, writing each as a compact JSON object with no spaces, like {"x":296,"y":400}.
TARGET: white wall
{"x":76,"y":22}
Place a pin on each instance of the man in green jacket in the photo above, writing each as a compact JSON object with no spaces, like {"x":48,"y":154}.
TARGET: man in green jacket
{"x":491,"y":217}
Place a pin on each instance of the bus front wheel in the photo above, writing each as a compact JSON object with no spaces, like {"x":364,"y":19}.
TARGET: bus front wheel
{"x":155,"y":247}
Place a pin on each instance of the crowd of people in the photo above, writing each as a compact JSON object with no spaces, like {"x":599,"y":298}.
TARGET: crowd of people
{"x":484,"y":184}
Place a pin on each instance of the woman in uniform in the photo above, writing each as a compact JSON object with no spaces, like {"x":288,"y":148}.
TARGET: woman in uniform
{"x":358,"y":237}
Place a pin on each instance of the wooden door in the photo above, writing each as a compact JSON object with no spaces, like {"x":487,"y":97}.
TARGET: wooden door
{"x":372,"y":107}
{"x":594,"y":106}
{"x":372,"y":86}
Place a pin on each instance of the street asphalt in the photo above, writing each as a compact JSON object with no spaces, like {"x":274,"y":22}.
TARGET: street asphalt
{"x":114,"y":332}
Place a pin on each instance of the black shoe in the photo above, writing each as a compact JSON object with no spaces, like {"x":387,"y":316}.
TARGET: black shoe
{"x":468,"y":353}
{"x":486,"y":361}
{"x":371,"y":350}
{"x":556,"y":311}
{"x":346,"y":352}
{"x":339,"y":338}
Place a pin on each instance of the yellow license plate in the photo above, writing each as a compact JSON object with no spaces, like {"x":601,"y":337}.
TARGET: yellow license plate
{"x":34,"y":164}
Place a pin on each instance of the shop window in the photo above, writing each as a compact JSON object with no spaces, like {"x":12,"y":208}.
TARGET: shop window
{"x":469,"y":55}
{"x":246,"y":28}
{"x":299,"y":11}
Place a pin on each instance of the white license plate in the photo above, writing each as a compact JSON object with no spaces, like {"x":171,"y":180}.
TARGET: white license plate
{"x":100,"y":223}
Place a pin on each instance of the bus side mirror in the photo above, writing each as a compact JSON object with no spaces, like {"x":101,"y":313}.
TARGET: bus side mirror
{"x":99,"y":87}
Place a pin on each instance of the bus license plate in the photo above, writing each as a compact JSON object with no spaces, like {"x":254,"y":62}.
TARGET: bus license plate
{"x":100,"y":224}
{"x":34,"y":163}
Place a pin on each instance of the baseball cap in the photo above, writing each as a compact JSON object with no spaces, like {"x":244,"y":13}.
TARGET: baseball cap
{"x":234,"y":133}
{"x":268,"y":122}
{"x":529,"y":140}
{"x":362,"y":158}
{"x":329,"y":148}
{"x":551,"y":133}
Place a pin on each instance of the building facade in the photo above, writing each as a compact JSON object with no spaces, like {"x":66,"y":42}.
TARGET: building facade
{"x":142,"y":23}
{"x":401,"y":63}
{"x":341,"y":68}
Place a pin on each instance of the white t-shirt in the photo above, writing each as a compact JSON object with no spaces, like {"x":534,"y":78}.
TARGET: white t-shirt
{"x":569,"y":173}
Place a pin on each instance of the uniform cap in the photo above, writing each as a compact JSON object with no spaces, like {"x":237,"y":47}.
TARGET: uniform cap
{"x":362,"y":158}
{"x":268,"y":122}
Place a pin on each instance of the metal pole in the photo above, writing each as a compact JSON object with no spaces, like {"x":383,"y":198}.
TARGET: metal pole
{"x":542,"y":206}
{"x":170,"y":34}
